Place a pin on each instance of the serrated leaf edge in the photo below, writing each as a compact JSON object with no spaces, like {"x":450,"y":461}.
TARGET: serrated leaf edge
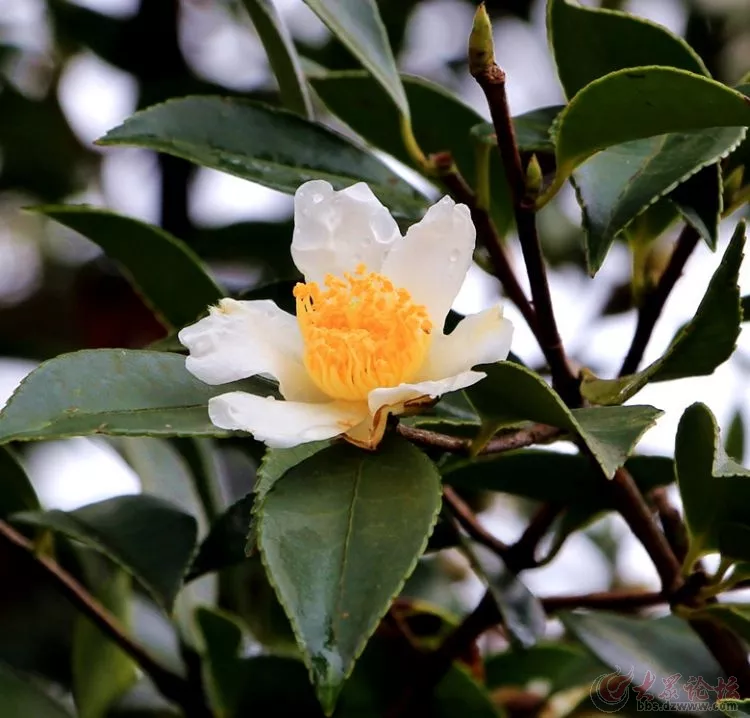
{"x":684,"y":178}
{"x":296,"y":630}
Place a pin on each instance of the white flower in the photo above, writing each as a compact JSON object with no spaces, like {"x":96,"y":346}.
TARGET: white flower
{"x":367,"y":340}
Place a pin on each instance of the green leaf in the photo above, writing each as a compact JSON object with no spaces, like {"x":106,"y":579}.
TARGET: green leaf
{"x":262,"y":144}
{"x":636,"y":103}
{"x":272,"y":685}
{"x":700,"y":201}
{"x":714,"y":489}
{"x":385,"y":673}
{"x":349,"y":526}
{"x":735,"y":441}
{"x":707,"y":341}
{"x":355,"y":98}
{"x":164,"y":473}
{"x":282,"y":55}
{"x":558,"y":664}
{"x":165,"y":272}
{"x":21,"y":696}
{"x":522,"y":613}
{"x":734,"y":542}
{"x":360,"y":28}
{"x":145,"y":535}
{"x":263,"y":685}
{"x":276,"y":462}
{"x":589,"y":43}
{"x":102,"y":672}
{"x":569,"y":479}
{"x":663,"y":646}
{"x":225,"y":544}
{"x":616,"y":185}
{"x":222,"y":667}
{"x":16,"y":491}
{"x":114,"y":391}
{"x":512,"y":393}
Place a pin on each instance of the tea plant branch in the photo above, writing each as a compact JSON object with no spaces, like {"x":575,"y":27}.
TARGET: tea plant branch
{"x":491,"y":79}
{"x":466,"y":518}
{"x":517,"y":557}
{"x":654,"y":302}
{"x":723,"y":644}
{"x":171,"y":685}
{"x":534,"y":434}
{"x":633,"y":508}
{"x":671,"y":522}
{"x":456,"y":185}
{"x":619,"y":600}
{"x":522,"y":554}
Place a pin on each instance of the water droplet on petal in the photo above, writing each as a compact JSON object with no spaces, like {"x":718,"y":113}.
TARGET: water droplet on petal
{"x":454,"y":256}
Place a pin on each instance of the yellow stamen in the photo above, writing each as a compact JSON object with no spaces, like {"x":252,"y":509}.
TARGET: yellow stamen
{"x":360,"y":333}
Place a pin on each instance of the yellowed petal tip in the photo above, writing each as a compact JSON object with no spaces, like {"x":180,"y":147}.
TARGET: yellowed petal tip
{"x":481,"y":45}
{"x":370,"y":433}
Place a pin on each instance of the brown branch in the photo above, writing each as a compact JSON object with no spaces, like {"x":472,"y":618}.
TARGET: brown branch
{"x":171,"y":685}
{"x":631,"y":504}
{"x":469,"y":523}
{"x":727,"y":649}
{"x":461,"y":192}
{"x":654,"y":302}
{"x":522,"y":554}
{"x":491,"y":79}
{"x":605,"y":600}
{"x":534,"y":434}
{"x":671,"y":523}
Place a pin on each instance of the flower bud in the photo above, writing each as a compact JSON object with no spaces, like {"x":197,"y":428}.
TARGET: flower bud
{"x":481,"y":45}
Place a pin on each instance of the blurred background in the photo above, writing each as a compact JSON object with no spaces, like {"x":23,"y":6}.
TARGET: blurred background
{"x":69,"y":71}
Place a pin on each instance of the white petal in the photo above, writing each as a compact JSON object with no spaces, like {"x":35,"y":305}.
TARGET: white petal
{"x":408,"y":392}
{"x":482,"y":338}
{"x":336,"y":231}
{"x":281,"y":424}
{"x":432,"y":261}
{"x":241,"y":339}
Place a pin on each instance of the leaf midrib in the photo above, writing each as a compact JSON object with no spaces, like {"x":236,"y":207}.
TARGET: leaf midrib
{"x":347,"y":542}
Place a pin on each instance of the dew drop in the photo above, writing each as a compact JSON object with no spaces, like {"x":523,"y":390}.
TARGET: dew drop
{"x":454,"y":255}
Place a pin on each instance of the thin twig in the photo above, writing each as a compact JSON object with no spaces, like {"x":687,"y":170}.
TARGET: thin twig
{"x":491,"y":79}
{"x":655,"y":300}
{"x":671,"y":523}
{"x":727,"y":649}
{"x":522,"y":554}
{"x":171,"y":685}
{"x":461,"y":192}
{"x":534,"y":434}
{"x":469,"y":523}
{"x":631,"y":504}
{"x":605,"y":600}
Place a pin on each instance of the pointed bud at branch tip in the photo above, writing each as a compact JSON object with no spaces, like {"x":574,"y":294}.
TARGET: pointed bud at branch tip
{"x":534,"y":178}
{"x":481,"y":46}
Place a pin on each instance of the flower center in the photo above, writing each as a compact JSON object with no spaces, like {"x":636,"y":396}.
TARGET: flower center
{"x":360,"y":333}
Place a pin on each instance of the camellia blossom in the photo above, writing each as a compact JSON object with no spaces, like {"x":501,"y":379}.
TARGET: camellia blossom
{"x":368,"y":337}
